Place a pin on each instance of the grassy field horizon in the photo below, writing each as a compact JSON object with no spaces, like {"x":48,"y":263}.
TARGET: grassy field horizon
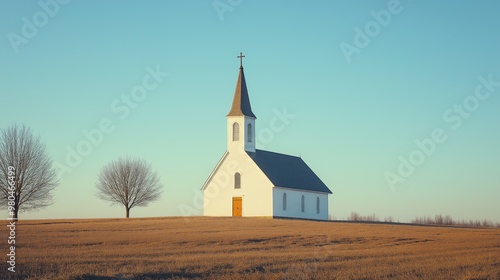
{"x":249,"y":248}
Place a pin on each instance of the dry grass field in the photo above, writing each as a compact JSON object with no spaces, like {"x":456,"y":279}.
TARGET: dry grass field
{"x":249,"y":248}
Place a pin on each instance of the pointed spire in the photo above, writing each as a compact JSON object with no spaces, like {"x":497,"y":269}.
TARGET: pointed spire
{"x":241,"y":101}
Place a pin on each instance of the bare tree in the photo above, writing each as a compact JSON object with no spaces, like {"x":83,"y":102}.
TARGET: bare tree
{"x":32,"y":177}
{"x":354,"y":216}
{"x":129,"y":182}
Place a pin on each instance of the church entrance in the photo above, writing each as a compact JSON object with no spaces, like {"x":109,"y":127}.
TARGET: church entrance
{"x":237,"y":206}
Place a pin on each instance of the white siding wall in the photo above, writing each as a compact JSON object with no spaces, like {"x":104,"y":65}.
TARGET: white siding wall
{"x":293,"y":204}
{"x":256,"y":189}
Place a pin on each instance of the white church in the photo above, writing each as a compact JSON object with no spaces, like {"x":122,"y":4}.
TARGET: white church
{"x":247,"y":182}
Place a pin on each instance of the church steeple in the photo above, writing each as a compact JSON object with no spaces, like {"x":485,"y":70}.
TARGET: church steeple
{"x":241,"y":101}
{"x":241,"y":119}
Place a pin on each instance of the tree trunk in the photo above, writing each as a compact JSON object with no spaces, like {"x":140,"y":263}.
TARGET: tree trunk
{"x":16,"y":208}
{"x":16,"y":215}
{"x":127,"y":211}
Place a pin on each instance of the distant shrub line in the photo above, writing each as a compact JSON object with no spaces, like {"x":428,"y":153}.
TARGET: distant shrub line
{"x":449,"y":221}
{"x":439,"y":219}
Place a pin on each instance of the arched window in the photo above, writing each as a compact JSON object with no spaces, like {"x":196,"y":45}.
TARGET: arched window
{"x":236,"y":131}
{"x":237,"y":180}
{"x":249,"y":133}
{"x":317,"y":205}
{"x":302,"y":204}
{"x":284,"y":202}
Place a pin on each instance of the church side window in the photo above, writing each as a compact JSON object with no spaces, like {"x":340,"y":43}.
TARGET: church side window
{"x":302,"y":204}
{"x":237,"y":180}
{"x":236,"y":131}
{"x":317,"y":205}
{"x":249,"y":133}
{"x":284,"y":202}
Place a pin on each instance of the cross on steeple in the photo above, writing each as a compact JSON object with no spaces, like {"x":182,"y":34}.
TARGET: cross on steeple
{"x":241,"y":56}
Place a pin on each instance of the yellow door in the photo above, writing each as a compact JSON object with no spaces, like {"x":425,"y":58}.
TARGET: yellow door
{"x":237,"y":206}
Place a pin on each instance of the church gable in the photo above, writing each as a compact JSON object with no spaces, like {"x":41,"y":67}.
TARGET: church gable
{"x":237,"y":177}
{"x":229,"y":165}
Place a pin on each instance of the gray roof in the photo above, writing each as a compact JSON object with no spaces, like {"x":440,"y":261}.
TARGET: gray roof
{"x":288,"y":171}
{"x":241,"y":102}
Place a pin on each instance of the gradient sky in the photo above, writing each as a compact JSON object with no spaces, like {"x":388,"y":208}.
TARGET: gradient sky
{"x":353,"y":120}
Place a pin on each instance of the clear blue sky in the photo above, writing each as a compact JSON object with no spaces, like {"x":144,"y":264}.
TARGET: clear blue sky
{"x":355,"y":114}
